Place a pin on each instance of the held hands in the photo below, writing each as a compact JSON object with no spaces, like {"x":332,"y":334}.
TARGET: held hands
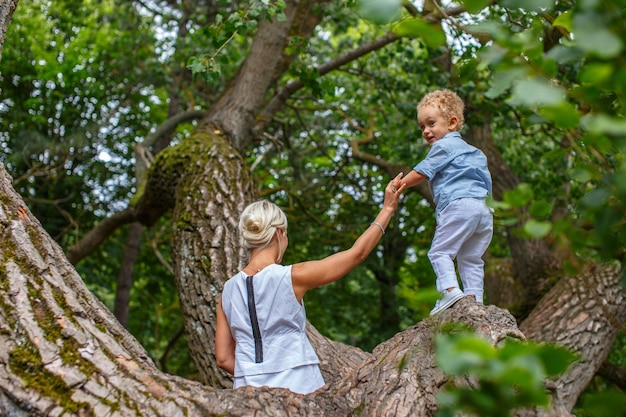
{"x":393,"y":191}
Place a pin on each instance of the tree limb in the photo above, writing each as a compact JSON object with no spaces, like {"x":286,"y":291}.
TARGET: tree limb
{"x":171,"y":124}
{"x":143,"y":153}
{"x":573,"y":316}
{"x":90,"y":242}
{"x":99,"y":234}
{"x":6,"y":12}
{"x":279,"y":100}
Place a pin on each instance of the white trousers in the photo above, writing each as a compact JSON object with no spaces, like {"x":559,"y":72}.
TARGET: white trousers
{"x":464,"y":231}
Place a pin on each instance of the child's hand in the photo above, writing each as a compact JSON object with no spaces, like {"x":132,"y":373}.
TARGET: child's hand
{"x":393,"y":191}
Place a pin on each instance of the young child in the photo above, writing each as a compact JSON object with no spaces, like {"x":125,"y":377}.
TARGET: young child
{"x":460,"y":181}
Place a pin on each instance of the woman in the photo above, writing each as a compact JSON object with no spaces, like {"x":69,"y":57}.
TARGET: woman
{"x":261,"y":322}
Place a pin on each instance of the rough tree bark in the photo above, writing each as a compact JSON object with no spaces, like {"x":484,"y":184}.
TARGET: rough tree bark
{"x":7,"y":7}
{"x":580,"y":312}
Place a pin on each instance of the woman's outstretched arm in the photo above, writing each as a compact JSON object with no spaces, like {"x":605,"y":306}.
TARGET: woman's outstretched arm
{"x":313,"y":274}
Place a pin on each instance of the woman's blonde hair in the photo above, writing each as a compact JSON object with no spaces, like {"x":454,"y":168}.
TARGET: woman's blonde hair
{"x":259,"y":222}
{"x":448,"y":102}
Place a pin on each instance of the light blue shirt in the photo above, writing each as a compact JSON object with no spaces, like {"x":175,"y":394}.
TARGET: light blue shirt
{"x":455,"y":169}
{"x":282,"y":323}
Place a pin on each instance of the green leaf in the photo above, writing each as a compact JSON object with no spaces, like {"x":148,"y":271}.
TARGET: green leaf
{"x":503,"y":80}
{"x":492,"y":55}
{"x":563,"y":114}
{"x":432,"y":35}
{"x":513,"y":348}
{"x":540,"y":209}
{"x":555,"y":359}
{"x":475,"y":6}
{"x":605,"y":403}
{"x":493,"y":28}
{"x":497,"y":205}
{"x":525,"y":372}
{"x":461,"y":353}
{"x":596,"y":73}
{"x":596,"y":198}
{"x":537,"y":229}
{"x":581,"y":175}
{"x":565,"y":20}
{"x":483,"y":401}
{"x":592,"y":36}
{"x":519,"y":196}
{"x":564,"y":55}
{"x":537,"y":92}
{"x":380,"y":11}
{"x":447,"y":401}
{"x":511,"y":221}
{"x":602,"y":123}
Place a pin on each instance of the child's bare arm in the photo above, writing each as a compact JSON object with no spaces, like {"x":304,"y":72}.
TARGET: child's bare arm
{"x":413,"y":178}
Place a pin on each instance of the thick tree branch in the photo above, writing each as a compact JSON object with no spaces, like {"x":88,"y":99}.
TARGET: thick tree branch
{"x":170,"y":124}
{"x":304,"y":23}
{"x":279,"y":100}
{"x":99,"y":234}
{"x":235,"y":111}
{"x":143,"y":153}
{"x":573,"y":314}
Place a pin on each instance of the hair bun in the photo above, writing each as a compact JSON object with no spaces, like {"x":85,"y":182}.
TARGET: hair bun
{"x":253,"y":225}
{"x":258,"y":223}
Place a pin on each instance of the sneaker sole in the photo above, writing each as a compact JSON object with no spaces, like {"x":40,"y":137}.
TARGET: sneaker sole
{"x":448,"y":304}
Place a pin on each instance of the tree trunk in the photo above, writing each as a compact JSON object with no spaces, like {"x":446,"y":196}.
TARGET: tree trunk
{"x":7,"y":7}
{"x":206,"y":247}
{"x":580,"y":313}
{"x":125,"y":277}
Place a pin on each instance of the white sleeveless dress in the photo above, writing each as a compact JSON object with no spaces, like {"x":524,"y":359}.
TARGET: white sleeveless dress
{"x":272,"y":348}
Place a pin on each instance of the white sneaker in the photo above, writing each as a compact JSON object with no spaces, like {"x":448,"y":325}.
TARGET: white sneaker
{"x":448,"y":298}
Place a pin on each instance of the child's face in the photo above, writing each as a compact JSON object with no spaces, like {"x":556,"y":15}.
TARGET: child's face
{"x":434,"y":126}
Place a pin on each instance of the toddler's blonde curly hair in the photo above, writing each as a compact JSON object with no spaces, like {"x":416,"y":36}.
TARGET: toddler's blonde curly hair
{"x":448,"y":102}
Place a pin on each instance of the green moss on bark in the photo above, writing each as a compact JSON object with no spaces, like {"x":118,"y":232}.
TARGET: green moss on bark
{"x":25,"y":362}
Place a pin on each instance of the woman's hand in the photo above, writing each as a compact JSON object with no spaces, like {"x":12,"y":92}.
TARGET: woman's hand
{"x":393,"y":191}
